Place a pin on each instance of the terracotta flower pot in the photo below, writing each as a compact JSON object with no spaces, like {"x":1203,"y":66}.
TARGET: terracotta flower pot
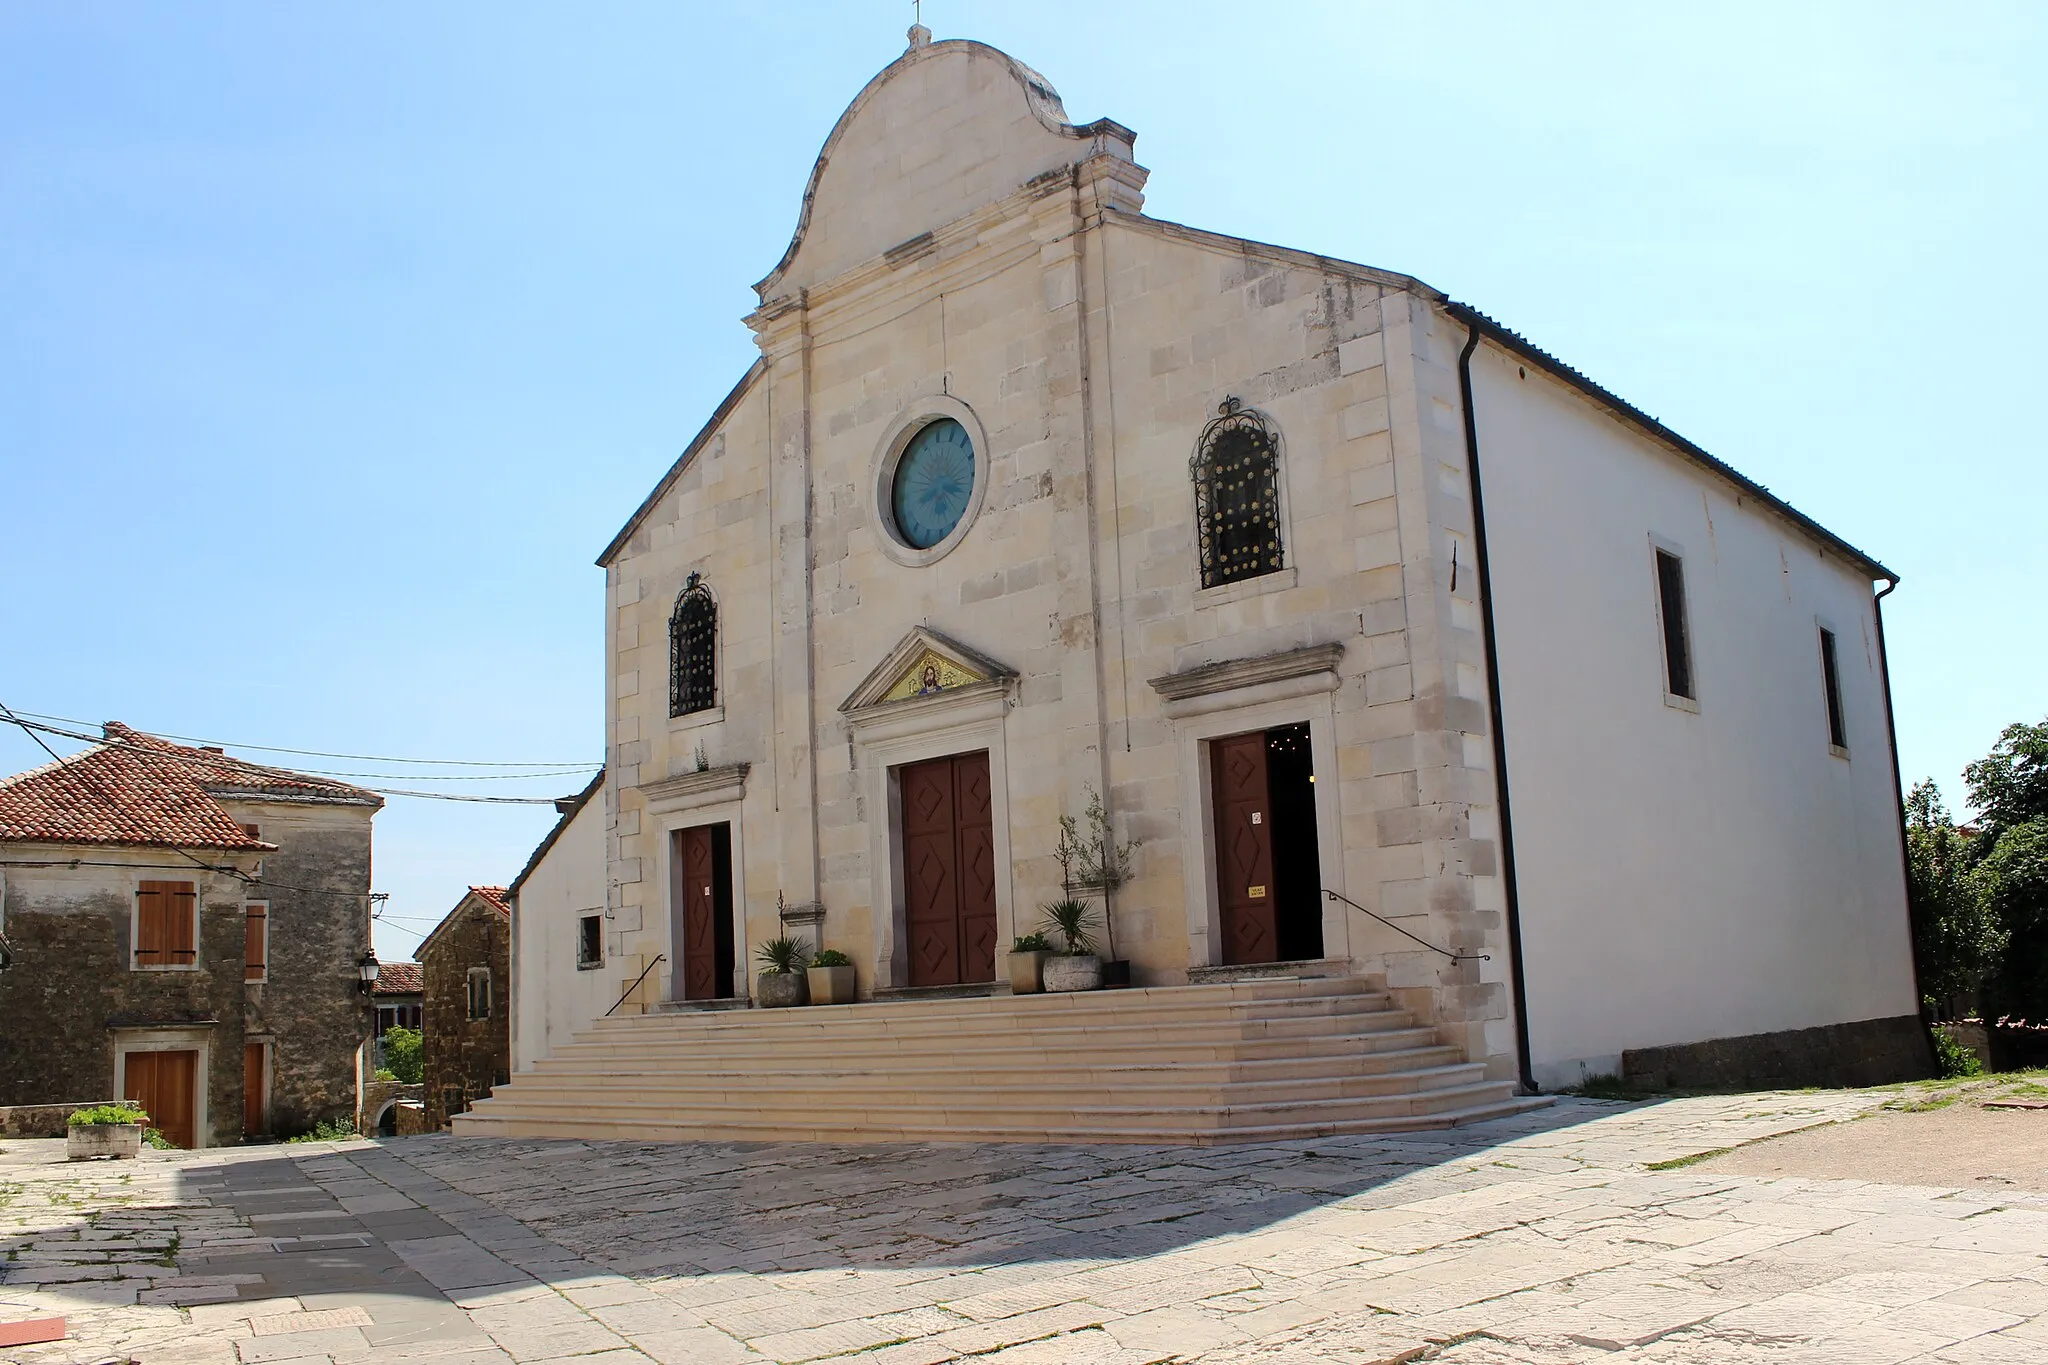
{"x":1082,"y":972}
{"x":781,"y":990}
{"x":88,"y":1140}
{"x":1027,"y":972}
{"x":832,"y":985}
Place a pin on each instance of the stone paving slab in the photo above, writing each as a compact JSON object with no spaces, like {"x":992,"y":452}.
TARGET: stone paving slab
{"x":1586,"y":1232}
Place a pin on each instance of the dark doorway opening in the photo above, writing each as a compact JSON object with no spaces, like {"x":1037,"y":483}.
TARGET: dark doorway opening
{"x":700,"y":897}
{"x":1297,"y":861}
{"x":1268,"y":869}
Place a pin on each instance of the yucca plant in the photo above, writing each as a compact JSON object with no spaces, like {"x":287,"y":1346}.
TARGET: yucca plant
{"x":783,"y":955}
{"x":1071,"y":920}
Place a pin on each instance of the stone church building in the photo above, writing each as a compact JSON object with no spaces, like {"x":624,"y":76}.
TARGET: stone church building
{"x":1402,"y":651}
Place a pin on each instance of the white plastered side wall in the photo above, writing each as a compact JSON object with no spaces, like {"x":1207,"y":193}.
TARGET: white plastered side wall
{"x":553,"y":995}
{"x":1684,"y":875}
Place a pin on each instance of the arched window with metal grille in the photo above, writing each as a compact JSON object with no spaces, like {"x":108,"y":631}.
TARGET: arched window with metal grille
{"x":1236,"y":471}
{"x":692,"y":646}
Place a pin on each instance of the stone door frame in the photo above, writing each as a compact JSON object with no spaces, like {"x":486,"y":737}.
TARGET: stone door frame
{"x":715,"y":796}
{"x":151,"y":1039}
{"x":956,"y":722}
{"x":1221,"y":720}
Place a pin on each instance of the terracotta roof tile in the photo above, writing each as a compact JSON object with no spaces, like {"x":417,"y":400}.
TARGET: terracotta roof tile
{"x":136,"y":789}
{"x":399,"y":978}
{"x":495,"y":897}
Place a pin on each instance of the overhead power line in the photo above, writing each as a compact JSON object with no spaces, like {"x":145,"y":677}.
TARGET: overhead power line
{"x":327,"y":753}
{"x":147,"y":754}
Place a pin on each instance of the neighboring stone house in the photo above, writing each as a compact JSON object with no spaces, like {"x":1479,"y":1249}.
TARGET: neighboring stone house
{"x":1031,"y":497}
{"x":189,"y":931}
{"x":563,"y":973}
{"x":399,"y":995}
{"x":466,"y":971}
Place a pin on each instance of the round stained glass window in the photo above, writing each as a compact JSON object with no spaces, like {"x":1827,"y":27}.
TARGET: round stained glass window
{"x":934,"y":480}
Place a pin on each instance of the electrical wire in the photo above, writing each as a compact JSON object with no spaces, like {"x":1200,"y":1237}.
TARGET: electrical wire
{"x":325,"y":753}
{"x":147,"y":754}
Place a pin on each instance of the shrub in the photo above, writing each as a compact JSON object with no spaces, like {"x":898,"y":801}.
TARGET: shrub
{"x":1952,"y":1059}
{"x":784,"y":955}
{"x":102,"y":1115}
{"x":154,"y":1137}
{"x":384,"y":1073}
{"x":1071,"y":920}
{"x":402,"y":1054}
{"x":831,"y":957}
{"x":327,"y":1130}
{"x":1031,"y":943}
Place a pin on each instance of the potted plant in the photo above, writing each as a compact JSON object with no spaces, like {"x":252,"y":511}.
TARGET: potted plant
{"x":1075,"y":967}
{"x":1092,"y":862}
{"x":781,"y":983}
{"x":113,"y":1130}
{"x":1027,"y":963}
{"x":832,"y":978}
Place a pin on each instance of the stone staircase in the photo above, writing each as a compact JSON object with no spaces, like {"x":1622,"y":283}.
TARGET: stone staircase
{"x":1244,"y":1061}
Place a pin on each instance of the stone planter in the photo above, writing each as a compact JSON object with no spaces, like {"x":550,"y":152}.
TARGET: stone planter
{"x":832,"y":985}
{"x":89,"y":1140}
{"x":1027,"y":972}
{"x":781,"y":990}
{"x":1082,"y":973}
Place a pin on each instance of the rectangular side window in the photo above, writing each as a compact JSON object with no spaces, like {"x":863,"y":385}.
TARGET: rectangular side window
{"x":590,"y":941}
{"x":1677,"y":638}
{"x":479,"y":992}
{"x":1831,"y":679}
{"x":255,"y":941}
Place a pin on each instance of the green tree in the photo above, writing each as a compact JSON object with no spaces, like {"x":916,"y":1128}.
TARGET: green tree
{"x":1956,"y":937}
{"x":2013,"y":883}
{"x":402,"y":1054}
{"x":2009,"y":786}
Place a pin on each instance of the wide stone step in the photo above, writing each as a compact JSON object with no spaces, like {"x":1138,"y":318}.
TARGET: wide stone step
{"x":1107,"y":1068}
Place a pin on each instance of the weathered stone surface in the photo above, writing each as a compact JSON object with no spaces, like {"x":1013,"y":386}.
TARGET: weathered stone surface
{"x":463,"y":1058}
{"x":1870,"y":1052}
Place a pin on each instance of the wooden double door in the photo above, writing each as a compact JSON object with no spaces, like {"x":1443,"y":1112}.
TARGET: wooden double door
{"x":1268,"y":866}
{"x":949,"y":870}
{"x":700,"y":897}
{"x":166,"y":1085}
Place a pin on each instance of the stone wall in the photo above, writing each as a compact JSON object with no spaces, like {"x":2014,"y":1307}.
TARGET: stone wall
{"x":41,"y":1120}
{"x":464,"y":1058}
{"x":1868,"y":1052}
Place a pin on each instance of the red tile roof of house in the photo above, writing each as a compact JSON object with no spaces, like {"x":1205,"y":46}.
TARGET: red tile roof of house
{"x":399,"y":978}
{"x":495,"y":897}
{"x":138,"y":790}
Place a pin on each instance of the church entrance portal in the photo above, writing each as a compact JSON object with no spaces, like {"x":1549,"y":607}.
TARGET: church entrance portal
{"x":949,"y":881}
{"x":1268,"y":867}
{"x":700,"y":894}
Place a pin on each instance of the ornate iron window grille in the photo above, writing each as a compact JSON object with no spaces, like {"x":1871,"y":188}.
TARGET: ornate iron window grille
{"x":692,"y":636}
{"x":1236,"y":470}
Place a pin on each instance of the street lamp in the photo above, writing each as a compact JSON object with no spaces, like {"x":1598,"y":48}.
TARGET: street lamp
{"x":366,"y":968}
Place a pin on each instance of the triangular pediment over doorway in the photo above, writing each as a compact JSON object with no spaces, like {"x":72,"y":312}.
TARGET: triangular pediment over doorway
{"x":923,"y":664}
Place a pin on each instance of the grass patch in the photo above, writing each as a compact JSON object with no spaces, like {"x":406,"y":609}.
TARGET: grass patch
{"x":1606,"y":1086}
{"x":1680,"y":1162}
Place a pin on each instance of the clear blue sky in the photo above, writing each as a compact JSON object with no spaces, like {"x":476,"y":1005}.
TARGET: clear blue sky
{"x":335,"y":343}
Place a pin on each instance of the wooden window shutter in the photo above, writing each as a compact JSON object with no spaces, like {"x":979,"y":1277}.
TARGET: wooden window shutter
{"x":149,"y":923}
{"x":181,"y":899}
{"x":255,"y":942}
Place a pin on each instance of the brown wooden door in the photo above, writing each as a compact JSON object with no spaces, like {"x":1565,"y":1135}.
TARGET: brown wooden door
{"x":252,"y":1089}
{"x":949,"y":873}
{"x":166,"y":1085}
{"x":694,"y":863}
{"x":1244,"y":849}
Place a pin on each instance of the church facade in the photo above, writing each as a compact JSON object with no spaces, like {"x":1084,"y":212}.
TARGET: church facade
{"x":1392,"y":646}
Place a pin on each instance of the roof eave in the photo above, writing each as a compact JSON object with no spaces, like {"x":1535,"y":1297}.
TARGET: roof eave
{"x":675,"y":471}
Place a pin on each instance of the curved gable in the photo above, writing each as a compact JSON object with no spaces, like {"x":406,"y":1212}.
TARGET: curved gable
{"x":944,"y":129}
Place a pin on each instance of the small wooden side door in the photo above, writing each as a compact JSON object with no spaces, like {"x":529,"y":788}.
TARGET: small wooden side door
{"x":1244,"y":849}
{"x":694,"y":867}
{"x":166,"y":1085}
{"x":253,"y":1094}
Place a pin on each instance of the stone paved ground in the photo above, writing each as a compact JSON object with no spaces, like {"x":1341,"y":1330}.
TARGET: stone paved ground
{"x":1578,"y":1233}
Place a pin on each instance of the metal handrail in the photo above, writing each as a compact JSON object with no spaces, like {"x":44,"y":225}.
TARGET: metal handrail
{"x":659,"y":958}
{"x":1455,"y":957}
